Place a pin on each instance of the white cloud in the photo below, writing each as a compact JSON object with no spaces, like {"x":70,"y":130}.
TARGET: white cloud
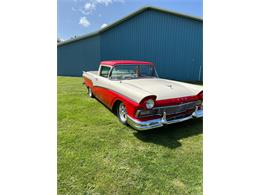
{"x":84,"y":12}
{"x":120,"y":1}
{"x":103,"y":25}
{"x":107,"y":2}
{"x":84,"y":21}
{"x":90,"y":7}
{"x":60,"y":40}
{"x":103,"y":2}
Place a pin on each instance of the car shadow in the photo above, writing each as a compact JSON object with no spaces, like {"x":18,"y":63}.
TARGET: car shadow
{"x":170,"y":135}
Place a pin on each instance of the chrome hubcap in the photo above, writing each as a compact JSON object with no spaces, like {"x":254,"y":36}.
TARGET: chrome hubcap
{"x":89,"y":92}
{"x":122,"y":112}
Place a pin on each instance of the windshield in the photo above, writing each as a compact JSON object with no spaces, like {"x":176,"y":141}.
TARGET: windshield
{"x":132,"y":71}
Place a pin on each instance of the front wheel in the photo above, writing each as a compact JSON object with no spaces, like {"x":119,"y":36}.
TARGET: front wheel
{"x":121,"y":113}
{"x":90,"y":93}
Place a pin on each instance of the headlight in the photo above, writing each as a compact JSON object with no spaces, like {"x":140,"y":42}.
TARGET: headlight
{"x":149,"y":104}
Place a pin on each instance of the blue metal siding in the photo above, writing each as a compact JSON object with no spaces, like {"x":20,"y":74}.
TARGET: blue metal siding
{"x":173,"y":43}
{"x":81,"y":55}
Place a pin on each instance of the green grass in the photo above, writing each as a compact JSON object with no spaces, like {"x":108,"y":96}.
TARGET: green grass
{"x":99,"y":155}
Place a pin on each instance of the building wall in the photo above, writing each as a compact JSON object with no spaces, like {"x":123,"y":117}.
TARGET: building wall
{"x":173,"y":43}
{"x":77,"y":56}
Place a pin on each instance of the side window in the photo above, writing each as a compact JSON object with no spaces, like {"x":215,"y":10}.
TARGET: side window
{"x":104,"y":70}
{"x":146,"y":70}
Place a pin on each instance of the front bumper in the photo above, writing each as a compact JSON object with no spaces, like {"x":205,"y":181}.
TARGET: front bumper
{"x":155,"y":123}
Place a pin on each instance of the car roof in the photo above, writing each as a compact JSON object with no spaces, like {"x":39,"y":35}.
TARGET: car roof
{"x":115,"y":62}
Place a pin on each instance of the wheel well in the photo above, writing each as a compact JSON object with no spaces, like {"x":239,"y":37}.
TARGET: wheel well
{"x":115,"y":105}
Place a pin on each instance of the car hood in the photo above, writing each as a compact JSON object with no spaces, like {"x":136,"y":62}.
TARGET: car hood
{"x":163,"y":88}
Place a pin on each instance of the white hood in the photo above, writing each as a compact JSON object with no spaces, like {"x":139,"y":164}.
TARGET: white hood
{"x":162,"y":88}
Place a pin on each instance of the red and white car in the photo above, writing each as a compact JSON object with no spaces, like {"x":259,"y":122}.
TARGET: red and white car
{"x":134,"y":92}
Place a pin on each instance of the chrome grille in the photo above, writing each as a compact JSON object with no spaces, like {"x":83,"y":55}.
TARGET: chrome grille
{"x":177,"y":108}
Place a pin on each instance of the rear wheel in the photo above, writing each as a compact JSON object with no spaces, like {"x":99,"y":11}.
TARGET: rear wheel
{"x":90,"y":93}
{"x":121,"y":113}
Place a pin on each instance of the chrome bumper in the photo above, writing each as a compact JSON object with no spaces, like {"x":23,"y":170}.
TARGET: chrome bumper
{"x":155,"y":123}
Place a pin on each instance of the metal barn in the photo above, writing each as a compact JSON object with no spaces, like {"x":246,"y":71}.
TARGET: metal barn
{"x":171,"y":40}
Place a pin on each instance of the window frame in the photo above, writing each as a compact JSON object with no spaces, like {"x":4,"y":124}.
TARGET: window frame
{"x":100,"y":69}
{"x":112,"y":68}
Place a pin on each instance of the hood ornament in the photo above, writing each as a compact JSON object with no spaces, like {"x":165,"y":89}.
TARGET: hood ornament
{"x":169,"y":86}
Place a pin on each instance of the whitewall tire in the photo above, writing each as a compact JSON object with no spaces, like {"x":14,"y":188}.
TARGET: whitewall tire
{"x":90,"y":93}
{"x":121,"y":113}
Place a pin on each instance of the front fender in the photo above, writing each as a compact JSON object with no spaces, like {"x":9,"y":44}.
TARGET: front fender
{"x":130,"y":105}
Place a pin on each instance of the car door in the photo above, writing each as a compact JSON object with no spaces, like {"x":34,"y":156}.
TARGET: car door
{"x":101,"y":84}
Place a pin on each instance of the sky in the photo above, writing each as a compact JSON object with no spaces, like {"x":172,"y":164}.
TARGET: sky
{"x":80,"y":17}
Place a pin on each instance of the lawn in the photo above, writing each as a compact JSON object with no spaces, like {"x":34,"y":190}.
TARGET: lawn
{"x":99,"y":155}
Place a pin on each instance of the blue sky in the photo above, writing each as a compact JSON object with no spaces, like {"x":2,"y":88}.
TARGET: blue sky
{"x":79,"y":17}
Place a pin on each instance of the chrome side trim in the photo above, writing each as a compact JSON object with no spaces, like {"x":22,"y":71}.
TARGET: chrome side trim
{"x":155,"y":123}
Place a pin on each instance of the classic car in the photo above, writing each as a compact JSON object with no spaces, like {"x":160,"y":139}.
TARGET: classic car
{"x":139,"y":98}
